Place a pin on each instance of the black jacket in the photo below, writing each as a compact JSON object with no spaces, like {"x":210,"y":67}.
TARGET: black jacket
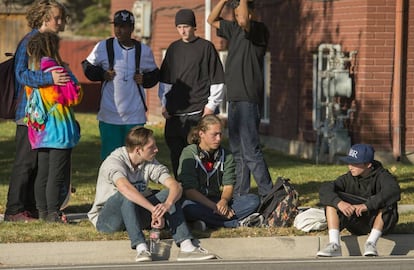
{"x":380,"y":188}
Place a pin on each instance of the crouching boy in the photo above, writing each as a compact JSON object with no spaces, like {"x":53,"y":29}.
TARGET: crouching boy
{"x":364,"y":200}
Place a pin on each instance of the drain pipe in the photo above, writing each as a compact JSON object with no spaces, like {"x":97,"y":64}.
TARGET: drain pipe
{"x":315,"y":106}
{"x":397,"y":78}
{"x":207,"y":26}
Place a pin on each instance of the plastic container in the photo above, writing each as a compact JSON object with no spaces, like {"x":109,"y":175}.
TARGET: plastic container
{"x":154,"y":240}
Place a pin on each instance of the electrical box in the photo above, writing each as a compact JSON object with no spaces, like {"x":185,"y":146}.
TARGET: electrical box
{"x":142,"y":10}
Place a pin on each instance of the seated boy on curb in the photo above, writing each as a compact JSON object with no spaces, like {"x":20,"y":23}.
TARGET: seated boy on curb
{"x":364,"y":200}
{"x":124,"y":202}
{"x":207,"y":173}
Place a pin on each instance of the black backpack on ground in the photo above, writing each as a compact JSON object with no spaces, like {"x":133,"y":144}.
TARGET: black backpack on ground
{"x":280,"y":207}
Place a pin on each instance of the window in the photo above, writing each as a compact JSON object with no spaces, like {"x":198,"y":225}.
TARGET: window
{"x":266,"y":97}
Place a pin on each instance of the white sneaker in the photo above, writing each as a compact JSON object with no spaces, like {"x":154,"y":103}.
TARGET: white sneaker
{"x":199,"y":254}
{"x":143,"y":256}
{"x":331,"y":250}
{"x":370,"y":249}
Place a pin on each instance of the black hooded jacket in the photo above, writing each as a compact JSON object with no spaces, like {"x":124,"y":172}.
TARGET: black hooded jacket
{"x":380,"y":188}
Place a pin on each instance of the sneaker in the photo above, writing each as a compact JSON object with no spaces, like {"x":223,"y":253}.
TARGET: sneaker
{"x":199,"y":254}
{"x":143,"y":256}
{"x":55,"y":217}
{"x":331,"y":250}
{"x":198,"y":225}
{"x":370,"y":249}
{"x":22,"y":216}
{"x":34,"y":213}
{"x":253,"y":220}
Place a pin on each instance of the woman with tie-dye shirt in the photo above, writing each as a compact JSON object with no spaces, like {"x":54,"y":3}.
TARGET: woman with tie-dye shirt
{"x":53,"y":129}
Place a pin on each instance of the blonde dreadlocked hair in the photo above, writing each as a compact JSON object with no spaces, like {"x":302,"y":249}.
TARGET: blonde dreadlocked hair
{"x":41,"y":45}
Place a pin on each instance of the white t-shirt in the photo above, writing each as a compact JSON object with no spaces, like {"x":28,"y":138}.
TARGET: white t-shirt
{"x":121,"y":103}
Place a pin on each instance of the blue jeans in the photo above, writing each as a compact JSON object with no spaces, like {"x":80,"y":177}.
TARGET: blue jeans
{"x":243,"y":126}
{"x":119,"y":214}
{"x":242,"y":205}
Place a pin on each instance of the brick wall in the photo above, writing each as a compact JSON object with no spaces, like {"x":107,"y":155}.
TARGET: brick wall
{"x":298,"y":27}
{"x":409,"y":79}
{"x":374,"y":76}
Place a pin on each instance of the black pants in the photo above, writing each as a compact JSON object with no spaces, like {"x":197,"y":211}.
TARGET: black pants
{"x":53,"y":172}
{"x":176,"y":133}
{"x":20,"y":196}
{"x":363,"y":224}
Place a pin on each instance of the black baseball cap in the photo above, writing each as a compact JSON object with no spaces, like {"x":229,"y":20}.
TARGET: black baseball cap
{"x":123,"y":17}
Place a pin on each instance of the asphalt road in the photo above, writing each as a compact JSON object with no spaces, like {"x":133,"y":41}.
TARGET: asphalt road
{"x":356,"y":263}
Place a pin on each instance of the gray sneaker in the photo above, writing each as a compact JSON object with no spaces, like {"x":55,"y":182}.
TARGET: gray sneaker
{"x":143,"y":256}
{"x":370,"y":249}
{"x":253,"y":220}
{"x":331,"y":250}
{"x":199,"y":254}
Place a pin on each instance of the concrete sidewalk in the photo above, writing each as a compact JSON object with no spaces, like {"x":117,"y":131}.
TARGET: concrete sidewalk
{"x":99,"y":252}
{"x":251,"y":248}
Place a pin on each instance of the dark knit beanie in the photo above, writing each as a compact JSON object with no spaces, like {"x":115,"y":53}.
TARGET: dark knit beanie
{"x":185,"y":16}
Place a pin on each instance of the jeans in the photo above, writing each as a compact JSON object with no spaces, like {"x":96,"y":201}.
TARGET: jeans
{"x":243,"y":126}
{"x":54,"y":170}
{"x":119,"y":214}
{"x":243,"y":206}
{"x":20,"y":196}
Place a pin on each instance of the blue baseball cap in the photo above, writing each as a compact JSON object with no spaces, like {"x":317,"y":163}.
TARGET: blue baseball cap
{"x":359,"y":153}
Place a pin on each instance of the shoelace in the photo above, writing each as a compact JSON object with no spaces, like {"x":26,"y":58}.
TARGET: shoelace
{"x":144,"y":252}
{"x":334,"y":247}
{"x":202,"y":250}
{"x":370,"y":244}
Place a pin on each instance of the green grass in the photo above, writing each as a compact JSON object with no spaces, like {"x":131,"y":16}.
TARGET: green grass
{"x":304,"y":174}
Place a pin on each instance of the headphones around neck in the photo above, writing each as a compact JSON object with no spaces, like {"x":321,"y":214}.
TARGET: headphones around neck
{"x":207,"y":156}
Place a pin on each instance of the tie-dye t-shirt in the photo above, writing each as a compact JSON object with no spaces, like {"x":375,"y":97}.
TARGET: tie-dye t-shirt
{"x":61,"y":129}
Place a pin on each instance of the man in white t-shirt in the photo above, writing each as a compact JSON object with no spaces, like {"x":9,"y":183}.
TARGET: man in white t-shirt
{"x":122,"y":104}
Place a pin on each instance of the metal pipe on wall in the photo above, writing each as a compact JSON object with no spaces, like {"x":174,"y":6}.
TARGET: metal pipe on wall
{"x":207,"y":27}
{"x":397,"y":80}
{"x":330,"y":80}
{"x":315,"y":85}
